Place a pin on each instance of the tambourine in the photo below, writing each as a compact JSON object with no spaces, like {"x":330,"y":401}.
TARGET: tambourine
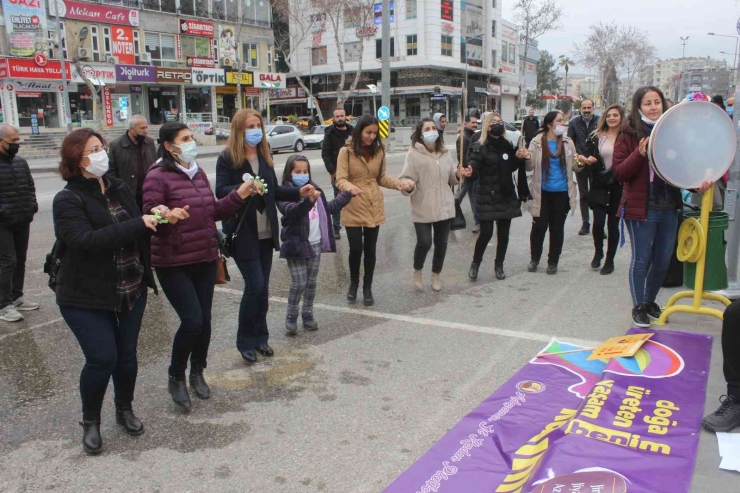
{"x":691,"y":143}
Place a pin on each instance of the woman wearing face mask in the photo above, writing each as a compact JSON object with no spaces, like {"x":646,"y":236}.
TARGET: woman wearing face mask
{"x":604,"y":192}
{"x":492,"y":161}
{"x":649,"y":205}
{"x":553,"y":161}
{"x":247,"y":155}
{"x":429,"y":172}
{"x":102,"y":283}
{"x":361,"y":170}
{"x":185,"y":250}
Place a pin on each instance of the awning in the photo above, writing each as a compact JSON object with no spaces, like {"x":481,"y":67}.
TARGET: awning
{"x":289,"y":101}
{"x":398,"y":91}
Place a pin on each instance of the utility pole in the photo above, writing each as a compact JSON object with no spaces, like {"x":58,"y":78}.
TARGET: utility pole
{"x":63,"y":63}
{"x":732,"y":205}
{"x":385,"y":95}
{"x":684,"y":42}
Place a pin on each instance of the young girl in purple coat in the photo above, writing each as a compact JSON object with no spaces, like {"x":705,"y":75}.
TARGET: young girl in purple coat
{"x":306,"y":234}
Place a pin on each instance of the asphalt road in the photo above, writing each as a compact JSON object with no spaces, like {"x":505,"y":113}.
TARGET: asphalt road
{"x":342,"y":410}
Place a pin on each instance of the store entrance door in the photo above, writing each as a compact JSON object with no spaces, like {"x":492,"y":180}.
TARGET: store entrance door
{"x":162,"y":100}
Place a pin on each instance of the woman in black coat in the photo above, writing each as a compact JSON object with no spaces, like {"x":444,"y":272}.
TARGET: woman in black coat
{"x":102,"y":283}
{"x":492,"y":160}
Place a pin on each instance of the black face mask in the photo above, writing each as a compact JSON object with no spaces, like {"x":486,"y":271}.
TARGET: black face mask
{"x":140,"y":138}
{"x":497,"y":130}
{"x":12,"y":149}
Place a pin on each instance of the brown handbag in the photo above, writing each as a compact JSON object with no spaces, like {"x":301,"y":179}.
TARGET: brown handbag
{"x":222,"y":273}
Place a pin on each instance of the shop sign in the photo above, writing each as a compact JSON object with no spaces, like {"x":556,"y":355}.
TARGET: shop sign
{"x":3,"y":68}
{"x":480,"y":90}
{"x":136,"y":73}
{"x":270,"y":79}
{"x":105,"y":14}
{"x":510,"y":90}
{"x":95,"y":73}
{"x":195,"y":61}
{"x":447,"y":8}
{"x":227,"y":44}
{"x":448,"y":27}
{"x":28,"y":94}
{"x":226,"y":90}
{"x":251,"y":91}
{"x":494,"y":89}
{"x":507,"y":69}
{"x":193,"y":27}
{"x":133,"y":89}
{"x":173,"y":75}
{"x":201,"y":128}
{"x":35,"y":86}
{"x":287,"y":93}
{"x":108,"y":106}
{"x":10,"y":106}
{"x":26,"y":26}
{"x":208,"y":77}
{"x":123,"y":45}
{"x":438,"y":97}
{"x":246,"y":80}
{"x":28,"y":69}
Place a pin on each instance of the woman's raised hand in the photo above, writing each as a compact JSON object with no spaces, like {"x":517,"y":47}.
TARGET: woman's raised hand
{"x":249,"y":187}
{"x":643,"y":146}
{"x":177,"y":214}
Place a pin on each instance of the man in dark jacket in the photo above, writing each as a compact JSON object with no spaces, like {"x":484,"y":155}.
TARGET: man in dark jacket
{"x":530,"y":127}
{"x":334,"y":138}
{"x":469,"y":185}
{"x":17,"y":207}
{"x":579,"y":129}
{"x":131,"y":155}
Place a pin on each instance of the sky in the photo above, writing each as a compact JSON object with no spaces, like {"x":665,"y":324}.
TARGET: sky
{"x":664,"y":20}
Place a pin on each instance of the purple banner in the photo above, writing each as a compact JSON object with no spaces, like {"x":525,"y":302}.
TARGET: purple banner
{"x":539,"y":426}
{"x":136,"y":73}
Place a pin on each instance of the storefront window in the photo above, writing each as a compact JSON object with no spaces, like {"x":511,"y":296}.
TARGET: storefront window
{"x":41,"y":104}
{"x":198,"y":100}
{"x":81,"y":105}
{"x":162,"y":49}
{"x":162,"y":101}
{"x":195,"y":46}
{"x":413,"y":107}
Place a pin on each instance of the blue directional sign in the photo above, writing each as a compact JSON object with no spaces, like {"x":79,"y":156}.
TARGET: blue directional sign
{"x":384,"y":113}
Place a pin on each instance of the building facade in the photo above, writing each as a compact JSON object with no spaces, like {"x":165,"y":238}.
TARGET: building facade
{"x":663,"y":74}
{"x":711,"y":82}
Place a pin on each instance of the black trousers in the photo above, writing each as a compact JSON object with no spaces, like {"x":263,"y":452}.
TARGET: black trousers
{"x":602,"y":217}
{"x":362,"y":240}
{"x":486,"y":233}
{"x":554,"y":207}
{"x":582,"y":180}
{"x":13,"y":248}
{"x":424,"y":244}
{"x":189,"y":289}
{"x":252,"y":331}
{"x":731,"y":348}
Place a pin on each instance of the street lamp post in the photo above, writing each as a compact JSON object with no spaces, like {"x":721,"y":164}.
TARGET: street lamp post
{"x":374,"y":90}
{"x":684,"y":42}
{"x":734,"y":58}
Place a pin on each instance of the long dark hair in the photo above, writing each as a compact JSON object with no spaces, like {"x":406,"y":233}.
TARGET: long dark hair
{"x":633,"y":124}
{"x":417,"y":137}
{"x":357,"y":147}
{"x":546,"y":154}
{"x":290,"y":165}
{"x":168,"y":133}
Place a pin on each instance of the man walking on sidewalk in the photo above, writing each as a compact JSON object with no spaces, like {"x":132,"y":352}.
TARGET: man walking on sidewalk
{"x":335,"y":136}
{"x":131,"y":154}
{"x":579,"y":129}
{"x":469,"y":185}
{"x":530,"y":127}
{"x":17,"y":207}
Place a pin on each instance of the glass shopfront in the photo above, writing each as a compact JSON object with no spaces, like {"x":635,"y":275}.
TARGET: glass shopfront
{"x":42,"y":104}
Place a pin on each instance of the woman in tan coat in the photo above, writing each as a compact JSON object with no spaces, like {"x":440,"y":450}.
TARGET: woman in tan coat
{"x":433,"y":170}
{"x":361,"y":170}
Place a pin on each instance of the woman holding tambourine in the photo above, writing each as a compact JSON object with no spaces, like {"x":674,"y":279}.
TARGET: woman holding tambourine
{"x":649,"y":205}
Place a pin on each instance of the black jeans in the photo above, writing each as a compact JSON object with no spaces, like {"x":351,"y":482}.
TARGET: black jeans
{"x":252,"y":332}
{"x":582,"y":180}
{"x":336,"y":217}
{"x":554,"y":207}
{"x":13,"y":248}
{"x":424,"y":244}
{"x":731,"y":348}
{"x":603,"y":217}
{"x":362,"y":240}
{"x":189,"y":289}
{"x":502,"y":240}
{"x":108,"y":340}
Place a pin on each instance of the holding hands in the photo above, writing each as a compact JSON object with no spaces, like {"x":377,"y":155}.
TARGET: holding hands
{"x":406,"y":185}
{"x":523,"y":153}
{"x":355,"y":191}
{"x":150,"y":221}
{"x":467,"y":172}
{"x":588,"y":161}
{"x":165,"y":215}
{"x":307,"y":190}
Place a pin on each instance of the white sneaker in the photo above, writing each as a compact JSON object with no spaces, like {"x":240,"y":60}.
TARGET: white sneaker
{"x":25,"y":306}
{"x":10,"y":314}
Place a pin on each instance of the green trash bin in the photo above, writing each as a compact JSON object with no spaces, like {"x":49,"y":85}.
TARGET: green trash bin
{"x":715,"y":271}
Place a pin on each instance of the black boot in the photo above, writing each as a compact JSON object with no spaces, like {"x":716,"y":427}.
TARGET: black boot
{"x":198,"y":383}
{"x":532,"y":267}
{"x":552,"y":268}
{"x":596,"y":262}
{"x":352,"y":291}
{"x":92,"y":442}
{"x":367,"y":295}
{"x":473,"y":272}
{"x":608,"y":267}
{"x":129,"y":421}
{"x":498,"y":269}
{"x":179,"y":392}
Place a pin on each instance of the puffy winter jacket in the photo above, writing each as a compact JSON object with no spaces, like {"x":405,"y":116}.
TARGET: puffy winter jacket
{"x":17,"y":192}
{"x":493,"y":164}
{"x":334,"y":140}
{"x":433,"y":173}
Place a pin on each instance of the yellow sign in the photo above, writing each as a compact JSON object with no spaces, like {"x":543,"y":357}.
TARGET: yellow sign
{"x":620,"y":347}
{"x":247,"y":79}
{"x":383,"y":127}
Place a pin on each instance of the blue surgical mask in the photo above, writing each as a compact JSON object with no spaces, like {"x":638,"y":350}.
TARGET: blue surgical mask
{"x":300,"y":180}
{"x":430,"y":137}
{"x":253,"y":136}
{"x":730,"y":110}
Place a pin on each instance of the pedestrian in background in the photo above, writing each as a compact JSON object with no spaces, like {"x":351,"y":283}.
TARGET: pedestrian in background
{"x":102,"y":283}
{"x":605,"y":193}
{"x":579,"y":129}
{"x":553,"y":162}
{"x":428,"y":174}
{"x":730,"y":104}
{"x":440,"y":121}
{"x":17,"y":208}
{"x":185,"y":251}
{"x":361,"y":169}
{"x":305,"y":235}
{"x":530,"y":127}
{"x":132,"y":154}
{"x":247,"y":156}
{"x":469,"y":185}
{"x":493,"y":160}
{"x":335,"y":136}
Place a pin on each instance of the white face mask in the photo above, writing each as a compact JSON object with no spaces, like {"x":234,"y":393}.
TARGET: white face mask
{"x":646,"y":119}
{"x":430,"y":137}
{"x":189,"y":151}
{"x":98,"y":164}
{"x":559,"y":130}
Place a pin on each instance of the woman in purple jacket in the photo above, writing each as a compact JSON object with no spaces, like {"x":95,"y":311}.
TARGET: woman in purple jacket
{"x":185,"y":250}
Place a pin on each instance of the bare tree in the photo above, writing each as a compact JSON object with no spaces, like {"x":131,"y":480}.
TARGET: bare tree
{"x":535,"y":18}
{"x":72,"y":43}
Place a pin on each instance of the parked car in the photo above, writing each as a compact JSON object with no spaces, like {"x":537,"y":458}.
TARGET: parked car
{"x":302,"y":122}
{"x":284,"y":137}
{"x":315,"y":138}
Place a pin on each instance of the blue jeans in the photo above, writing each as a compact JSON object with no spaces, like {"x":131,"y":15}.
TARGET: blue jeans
{"x":108,"y":340}
{"x":336,"y":217}
{"x":652,"y":242}
{"x":469,"y":187}
{"x":252,"y":331}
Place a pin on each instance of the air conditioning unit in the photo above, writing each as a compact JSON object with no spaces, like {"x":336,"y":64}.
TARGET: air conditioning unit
{"x":83,"y":53}
{"x":244,"y":65}
{"x":317,"y":80}
{"x":145,"y":58}
{"x":227,"y":61}
{"x":113,"y":60}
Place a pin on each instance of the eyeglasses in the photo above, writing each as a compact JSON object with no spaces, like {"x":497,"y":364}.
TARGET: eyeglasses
{"x":94,"y":150}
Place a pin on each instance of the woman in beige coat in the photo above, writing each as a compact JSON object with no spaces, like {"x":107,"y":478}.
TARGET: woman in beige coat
{"x":361,"y":170}
{"x":430,"y":170}
{"x":553,"y":189}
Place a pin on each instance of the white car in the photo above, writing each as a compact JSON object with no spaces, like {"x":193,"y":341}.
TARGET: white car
{"x":283,"y":138}
{"x":315,"y":137}
{"x":512,"y":133}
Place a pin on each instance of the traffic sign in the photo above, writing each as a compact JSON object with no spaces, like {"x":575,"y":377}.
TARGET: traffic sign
{"x":383,"y":127}
{"x":384,"y":113}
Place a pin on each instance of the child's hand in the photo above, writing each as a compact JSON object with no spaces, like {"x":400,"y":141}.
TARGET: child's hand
{"x":355,"y":191}
{"x":315,"y":195}
{"x":307,"y":190}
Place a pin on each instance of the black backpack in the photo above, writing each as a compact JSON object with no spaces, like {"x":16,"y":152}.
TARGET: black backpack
{"x":54,"y":259}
